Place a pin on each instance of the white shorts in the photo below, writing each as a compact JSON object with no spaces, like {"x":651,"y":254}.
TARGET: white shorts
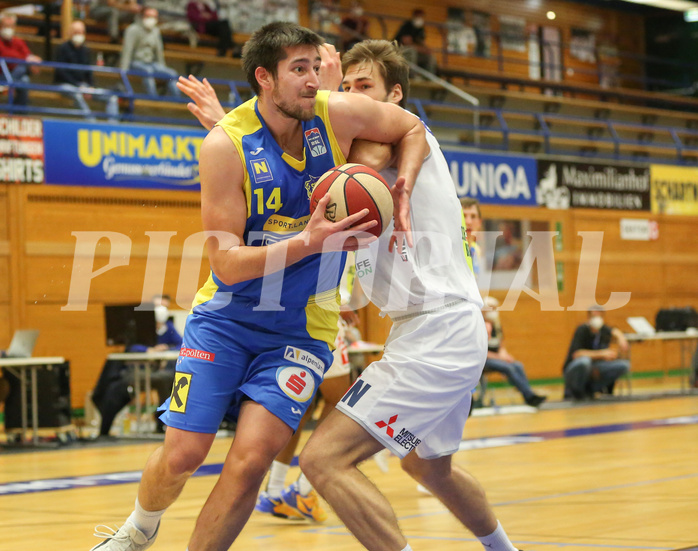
{"x":340,"y":357}
{"x":418,"y":394}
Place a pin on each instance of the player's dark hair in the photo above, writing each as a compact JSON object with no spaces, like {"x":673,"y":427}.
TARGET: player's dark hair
{"x":267,"y":47}
{"x":387,"y":58}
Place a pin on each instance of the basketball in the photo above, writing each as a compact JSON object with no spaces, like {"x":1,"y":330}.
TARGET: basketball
{"x":352,"y":188}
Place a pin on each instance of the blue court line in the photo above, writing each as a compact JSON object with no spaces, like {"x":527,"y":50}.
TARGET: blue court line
{"x":68,"y":483}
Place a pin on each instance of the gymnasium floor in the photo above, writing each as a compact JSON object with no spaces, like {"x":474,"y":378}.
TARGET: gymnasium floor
{"x":611,"y":475}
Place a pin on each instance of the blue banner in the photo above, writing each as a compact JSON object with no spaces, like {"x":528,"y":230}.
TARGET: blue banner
{"x":494,"y":179}
{"x":86,"y":154}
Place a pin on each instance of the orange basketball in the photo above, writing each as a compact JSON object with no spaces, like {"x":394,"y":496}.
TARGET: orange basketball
{"x":352,"y":188}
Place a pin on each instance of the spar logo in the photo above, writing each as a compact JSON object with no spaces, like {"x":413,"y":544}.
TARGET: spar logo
{"x":296,"y":383}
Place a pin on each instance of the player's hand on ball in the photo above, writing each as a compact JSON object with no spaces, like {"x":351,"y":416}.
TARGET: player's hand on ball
{"x":402,"y":225}
{"x":326,"y":236}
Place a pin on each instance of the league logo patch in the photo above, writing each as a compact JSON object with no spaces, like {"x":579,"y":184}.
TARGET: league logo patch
{"x":296,"y":383}
{"x":261,"y":171}
{"x":180,"y":392}
{"x":315,"y":142}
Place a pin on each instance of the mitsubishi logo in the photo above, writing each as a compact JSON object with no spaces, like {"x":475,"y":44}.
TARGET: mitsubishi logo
{"x":388,"y":429}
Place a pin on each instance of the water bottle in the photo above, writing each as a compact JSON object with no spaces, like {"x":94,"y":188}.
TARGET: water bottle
{"x":100,"y":59}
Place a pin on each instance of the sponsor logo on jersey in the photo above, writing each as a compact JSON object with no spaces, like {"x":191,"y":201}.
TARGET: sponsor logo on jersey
{"x":301,"y":357}
{"x":261,"y":171}
{"x":257,"y":151}
{"x":355,"y":392}
{"x":315,"y":142}
{"x":407,"y":440}
{"x":194,"y":353}
{"x":296,"y":383}
{"x":180,"y":392}
{"x":310,"y":184}
{"x":387,"y":425}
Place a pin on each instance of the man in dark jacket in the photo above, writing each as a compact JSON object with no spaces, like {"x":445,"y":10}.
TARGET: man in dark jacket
{"x":592,"y":365}
{"x":79,"y":82}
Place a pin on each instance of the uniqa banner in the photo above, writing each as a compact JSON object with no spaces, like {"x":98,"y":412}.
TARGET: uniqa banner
{"x":674,"y":189}
{"x":87,"y":154}
{"x":493,"y":179}
{"x":564,"y":185}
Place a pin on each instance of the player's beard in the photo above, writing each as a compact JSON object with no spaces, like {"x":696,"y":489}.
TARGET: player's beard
{"x":293,"y":111}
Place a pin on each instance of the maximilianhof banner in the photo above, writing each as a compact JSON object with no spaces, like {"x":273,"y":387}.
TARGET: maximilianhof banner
{"x":494,"y":179}
{"x":674,"y":189}
{"x":564,"y":185}
{"x":87,"y":154}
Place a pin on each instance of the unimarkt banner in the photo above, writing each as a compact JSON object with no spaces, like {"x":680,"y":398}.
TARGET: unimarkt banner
{"x":88,"y":154}
{"x":21,"y":150}
{"x":564,"y":185}
{"x":674,"y":189}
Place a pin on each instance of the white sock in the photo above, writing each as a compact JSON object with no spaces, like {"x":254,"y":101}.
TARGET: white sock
{"x":304,"y":486}
{"x":497,"y":540}
{"x":146,"y":521}
{"x":277,"y":478}
{"x":407,"y":548}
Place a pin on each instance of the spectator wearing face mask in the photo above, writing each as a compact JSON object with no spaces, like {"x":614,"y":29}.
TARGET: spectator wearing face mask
{"x":354,"y":26}
{"x":114,"y":386}
{"x":78,"y":83}
{"x":593,"y":364}
{"x":13,"y":47}
{"x":411,"y":37}
{"x":144,"y":51}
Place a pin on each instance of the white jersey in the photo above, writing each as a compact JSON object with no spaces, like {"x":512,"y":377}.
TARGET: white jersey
{"x":436,"y":271}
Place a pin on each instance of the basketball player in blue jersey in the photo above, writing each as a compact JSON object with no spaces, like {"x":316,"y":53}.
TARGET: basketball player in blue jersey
{"x":418,"y":396}
{"x":259,"y":336}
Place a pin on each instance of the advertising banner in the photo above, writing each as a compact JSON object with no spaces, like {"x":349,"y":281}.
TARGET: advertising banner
{"x":21,"y":150}
{"x":564,"y":185}
{"x":674,"y":189}
{"x":493,"y":179}
{"x":88,"y":154}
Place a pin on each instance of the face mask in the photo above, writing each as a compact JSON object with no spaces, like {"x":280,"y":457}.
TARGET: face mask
{"x":161,"y":313}
{"x":150,"y":22}
{"x":596,"y":323}
{"x":418,"y":22}
{"x":7,"y":33}
{"x":78,"y":40}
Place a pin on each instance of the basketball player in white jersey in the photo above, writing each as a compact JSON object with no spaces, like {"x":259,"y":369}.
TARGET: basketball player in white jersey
{"x":417,"y":397}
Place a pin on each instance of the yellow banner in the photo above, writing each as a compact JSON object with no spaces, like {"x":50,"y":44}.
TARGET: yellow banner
{"x":674,"y":189}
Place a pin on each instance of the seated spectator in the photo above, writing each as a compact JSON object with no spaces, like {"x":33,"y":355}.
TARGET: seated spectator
{"x":79,"y":82}
{"x":473,"y":225}
{"x":144,"y":51}
{"x":500,"y":361}
{"x":411,"y":37}
{"x":13,"y":47}
{"x":324,"y":20}
{"x":115,"y":383}
{"x":592,"y":365}
{"x":354,"y":27}
{"x":114,"y":12}
{"x":204,"y":19}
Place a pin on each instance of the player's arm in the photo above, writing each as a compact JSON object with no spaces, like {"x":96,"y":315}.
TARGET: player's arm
{"x":224,"y":215}
{"x":360,"y":117}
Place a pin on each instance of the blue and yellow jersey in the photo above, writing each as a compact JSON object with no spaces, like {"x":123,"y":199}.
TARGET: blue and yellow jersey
{"x":278,"y":189}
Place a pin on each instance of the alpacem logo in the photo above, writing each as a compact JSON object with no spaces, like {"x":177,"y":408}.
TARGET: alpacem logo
{"x":301,"y":357}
